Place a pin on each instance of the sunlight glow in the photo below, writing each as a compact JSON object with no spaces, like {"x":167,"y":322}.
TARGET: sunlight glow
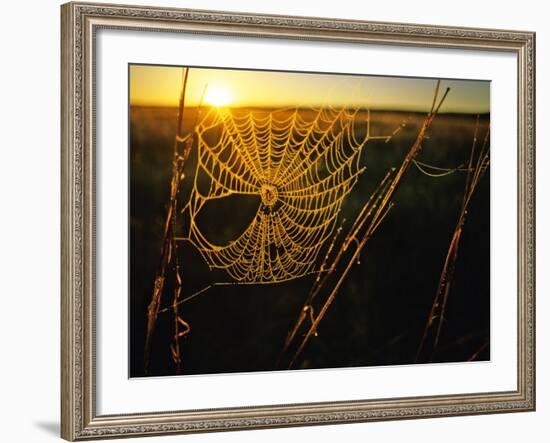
{"x":160,"y":86}
{"x":218,"y":96}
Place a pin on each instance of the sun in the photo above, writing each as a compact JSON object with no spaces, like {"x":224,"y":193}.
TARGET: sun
{"x":218,"y":96}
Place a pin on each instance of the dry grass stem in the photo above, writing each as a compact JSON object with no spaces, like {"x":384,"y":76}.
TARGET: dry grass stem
{"x":477,"y":165}
{"x":369,"y":219}
{"x":182,"y":147}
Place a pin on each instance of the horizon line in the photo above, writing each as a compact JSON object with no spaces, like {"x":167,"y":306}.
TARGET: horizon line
{"x":289,"y":107}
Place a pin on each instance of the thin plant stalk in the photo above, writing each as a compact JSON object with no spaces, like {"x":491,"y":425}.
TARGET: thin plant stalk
{"x":378,"y":212}
{"x":182,"y":147}
{"x":326,"y":272}
{"x":434,"y":324}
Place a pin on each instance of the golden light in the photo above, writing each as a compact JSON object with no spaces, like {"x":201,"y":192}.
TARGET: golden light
{"x":218,"y":96}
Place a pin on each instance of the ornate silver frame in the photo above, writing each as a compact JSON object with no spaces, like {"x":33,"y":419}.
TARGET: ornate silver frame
{"x":79,"y":420}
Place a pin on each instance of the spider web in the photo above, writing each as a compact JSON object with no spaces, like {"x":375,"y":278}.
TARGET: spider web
{"x":300,"y":163}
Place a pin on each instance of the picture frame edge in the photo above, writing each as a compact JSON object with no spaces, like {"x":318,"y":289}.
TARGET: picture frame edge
{"x":78,"y":419}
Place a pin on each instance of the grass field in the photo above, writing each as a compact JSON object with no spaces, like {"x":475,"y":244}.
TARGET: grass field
{"x":380,"y":312}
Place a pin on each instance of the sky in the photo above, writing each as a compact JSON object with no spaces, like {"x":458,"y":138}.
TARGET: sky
{"x":161,"y":85}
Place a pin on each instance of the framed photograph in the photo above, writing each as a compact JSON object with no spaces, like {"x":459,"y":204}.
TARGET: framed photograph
{"x":280,"y":221}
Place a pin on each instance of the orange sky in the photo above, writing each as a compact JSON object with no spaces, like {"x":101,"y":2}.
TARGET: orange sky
{"x":161,"y":85}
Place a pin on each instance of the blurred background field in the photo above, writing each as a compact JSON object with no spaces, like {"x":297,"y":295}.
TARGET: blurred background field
{"x":380,"y":312}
